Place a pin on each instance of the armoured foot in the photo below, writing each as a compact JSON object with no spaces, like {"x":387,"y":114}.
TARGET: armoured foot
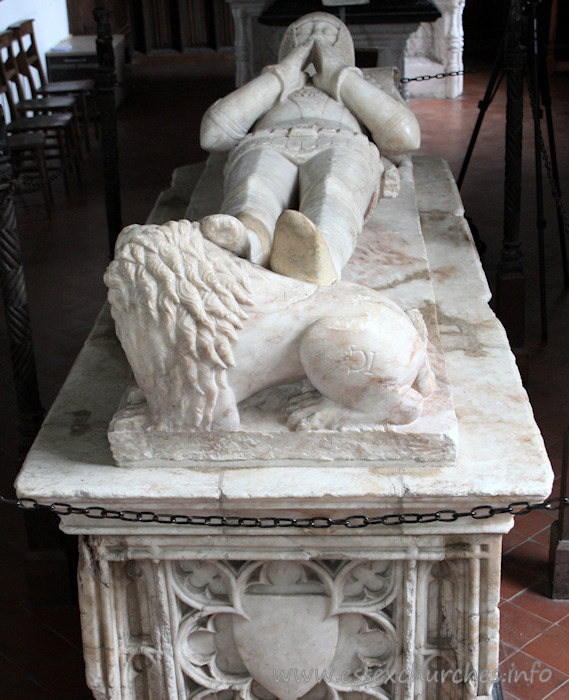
{"x":227,"y":232}
{"x":300,"y":251}
{"x":260,"y":239}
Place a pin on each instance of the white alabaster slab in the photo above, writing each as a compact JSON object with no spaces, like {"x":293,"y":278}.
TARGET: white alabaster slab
{"x":390,"y":257}
{"x":501,"y":456}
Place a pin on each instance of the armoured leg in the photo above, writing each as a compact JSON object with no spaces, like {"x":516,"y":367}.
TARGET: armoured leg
{"x":259,"y":185}
{"x":337,"y":187}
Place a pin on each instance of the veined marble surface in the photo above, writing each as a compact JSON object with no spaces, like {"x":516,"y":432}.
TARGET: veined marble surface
{"x":501,"y":456}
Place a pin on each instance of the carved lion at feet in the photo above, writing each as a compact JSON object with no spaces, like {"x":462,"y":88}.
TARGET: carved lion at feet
{"x":203,"y":330}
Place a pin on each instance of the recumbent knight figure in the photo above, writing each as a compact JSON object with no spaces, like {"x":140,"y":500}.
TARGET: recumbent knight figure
{"x":302,"y":176}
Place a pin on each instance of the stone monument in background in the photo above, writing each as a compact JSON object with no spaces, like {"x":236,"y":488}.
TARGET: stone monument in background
{"x":414,"y":48}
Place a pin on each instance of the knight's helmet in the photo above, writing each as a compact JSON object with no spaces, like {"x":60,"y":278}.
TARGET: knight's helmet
{"x":344,"y":44}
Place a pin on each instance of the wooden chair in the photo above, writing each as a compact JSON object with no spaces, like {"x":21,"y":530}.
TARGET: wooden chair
{"x":61,"y":139}
{"x":27,"y":152}
{"x":28,"y":58}
{"x":36,"y":105}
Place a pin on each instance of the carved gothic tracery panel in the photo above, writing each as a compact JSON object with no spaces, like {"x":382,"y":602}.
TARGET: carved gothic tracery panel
{"x":287,"y":629}
{"x":414,"y":623}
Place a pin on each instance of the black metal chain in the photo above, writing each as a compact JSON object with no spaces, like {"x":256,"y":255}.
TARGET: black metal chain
{"x":437,"y":76}
{"x":482,"y":512}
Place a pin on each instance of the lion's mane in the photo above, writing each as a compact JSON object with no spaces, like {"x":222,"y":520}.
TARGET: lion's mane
{"x":177,"y":301}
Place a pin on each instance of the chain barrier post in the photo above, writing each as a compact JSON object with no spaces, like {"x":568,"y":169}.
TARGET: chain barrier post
{"x":510,"y":278}
{"x":105,"y":83}
{"x":18,"y":326}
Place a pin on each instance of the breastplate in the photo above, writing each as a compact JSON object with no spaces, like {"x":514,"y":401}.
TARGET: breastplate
{"x":310,"y":105}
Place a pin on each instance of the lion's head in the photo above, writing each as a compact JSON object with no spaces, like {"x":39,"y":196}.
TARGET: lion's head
{"x":177,"y":301}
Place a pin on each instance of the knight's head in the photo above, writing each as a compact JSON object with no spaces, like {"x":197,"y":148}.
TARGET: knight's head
{"x":319,"y":26}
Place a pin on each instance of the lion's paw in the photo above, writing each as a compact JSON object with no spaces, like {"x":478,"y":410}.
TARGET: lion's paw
{"x":310,"y":410}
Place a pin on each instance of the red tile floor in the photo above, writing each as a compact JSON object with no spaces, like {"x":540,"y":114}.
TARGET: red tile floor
{"x":64,"y":258}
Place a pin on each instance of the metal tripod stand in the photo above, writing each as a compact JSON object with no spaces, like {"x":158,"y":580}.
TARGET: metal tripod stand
{"x":521,"y":55}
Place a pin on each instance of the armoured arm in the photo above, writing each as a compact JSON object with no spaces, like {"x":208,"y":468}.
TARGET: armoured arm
{"x":228,"y":120}
{"x":393,"y":126}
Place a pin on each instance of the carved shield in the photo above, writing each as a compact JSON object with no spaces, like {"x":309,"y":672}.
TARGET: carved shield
{"x":288,"y":642}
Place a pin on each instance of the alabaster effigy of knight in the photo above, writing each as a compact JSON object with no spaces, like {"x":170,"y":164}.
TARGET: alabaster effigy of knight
{"x":304,"y":168}
{"x":211,"y":312}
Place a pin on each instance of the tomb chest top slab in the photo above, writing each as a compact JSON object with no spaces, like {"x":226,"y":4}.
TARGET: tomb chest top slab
{"x":501,"y":456}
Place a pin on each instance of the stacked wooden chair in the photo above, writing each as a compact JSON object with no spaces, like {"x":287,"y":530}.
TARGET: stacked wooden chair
{"x":28,"y":157}
{"x":36,"y":104}
{"x":28,"y":61}
{"x":48,"y":135}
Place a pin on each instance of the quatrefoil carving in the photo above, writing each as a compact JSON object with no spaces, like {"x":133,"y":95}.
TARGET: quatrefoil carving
{"x":285,"y":629}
